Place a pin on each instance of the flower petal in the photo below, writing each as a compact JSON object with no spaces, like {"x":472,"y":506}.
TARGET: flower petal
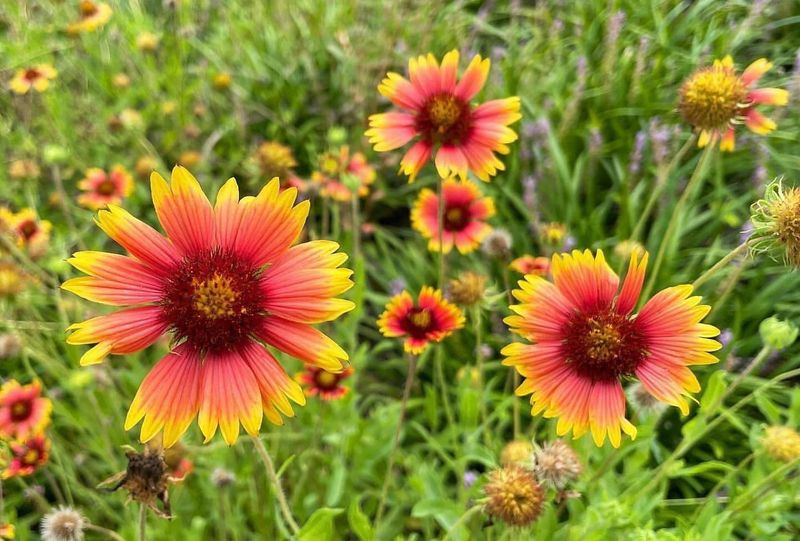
{"x":632,"y":286}
{"x":473,"y":78}
{"x":303,"y":342}
{"x":139,"y":239}
{"x":183,"y":210}
{"x":114,"y":279}
{"x":273,"y":382}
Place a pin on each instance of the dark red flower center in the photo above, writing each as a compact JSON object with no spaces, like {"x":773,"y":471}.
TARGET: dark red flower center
{"x":604,"y":345}
{"x":27,"y":229}
{"x":31,"y":74}
{"x":21,"y":410}
{"x":444,"y":119}
{"x":107,"y":187}
{"x":419,"y":322}
{"x":213,"y":301}
{"x":456,"y":217}
{"x":326,"y":380}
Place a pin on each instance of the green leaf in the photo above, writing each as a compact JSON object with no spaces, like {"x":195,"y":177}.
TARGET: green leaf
{"x":320,"y":525}
{"x":359,"y":522}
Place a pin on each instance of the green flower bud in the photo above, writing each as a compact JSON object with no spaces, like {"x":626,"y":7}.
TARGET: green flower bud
{"x":776,"y":333}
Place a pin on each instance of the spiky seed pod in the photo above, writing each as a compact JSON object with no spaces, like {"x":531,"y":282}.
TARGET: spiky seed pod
{"x":518,"y":452}
{"x":513,"y":496}
{"x":782,"y":443}
{"x":468,"y":289}
{"x":556,"y":464}
{"x":62,"y":524}
{"x":776,"y":223}
{"x":497,"y":244}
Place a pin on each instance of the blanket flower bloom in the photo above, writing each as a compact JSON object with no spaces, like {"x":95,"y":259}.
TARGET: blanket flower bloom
{"x":93,"y":15}
{"x":585,"y":339}
{"x":436,"y":108}
{"x":431,"y":319}
{"x":37,"y":77}
{"x":528,"y":264}
{"x":27,"y":456}
{"x":716,"y":98}
{"x":101,"y":188}
{"x":31,"y":233}
{"x":463,"y":220}
{"x":23,"y":409}
{"x":226,"y":279}
{"x":326,"y":385}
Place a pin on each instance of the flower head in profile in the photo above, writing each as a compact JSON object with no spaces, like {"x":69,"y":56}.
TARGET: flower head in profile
{"x":327,"y":385}
{"x":30,"y":233}
{"x":27,"y":456}
{"x":226,"y":279}
{"x":101,"y":189}
{"x":464,"y":216}
{"x":275,"y":160}
{"x":36,"y":77}
{"x":342,"y":173}
{"x":776,"y":223}
{"x":430,"y":319}
{"x":585,"y":339}
{"x":513,"y":495}
{"x":92,"y":16}
{"x":528,"y":264}
{"x":23,"y":409}
{"x":716,"y":98}
{"x":436,"y":109}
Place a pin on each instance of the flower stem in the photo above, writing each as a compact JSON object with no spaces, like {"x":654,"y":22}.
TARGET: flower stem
{"x":745,"y":500}
{"x":142,"y":522}
{"x":476,"y":322}
{"x":276,"y":484}
{"x":105,"y":531}
{"x":677,"y":214}
{"x":719,"y":265}
{"x":356,"y":226}
{"x":462,"y":520}
{"x":387,"y":479}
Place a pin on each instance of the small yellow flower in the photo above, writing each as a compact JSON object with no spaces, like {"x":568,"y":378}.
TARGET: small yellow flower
{"x":275,"y":160}
{"x":120,"y":80}
{"x":37,"y":77}
{"x":222,"y":80}
{"x":518,"y":452}
{"x":23,"y":169}
{"x":92,"y":16}
{"x":189,"y":158}
{"x":147,"y":42}
{"x":716,"y":98}
{"x":781,"y":443}
{"x":144,"y":166}
{"x":626,"y":248}
{"x":553,"y":233}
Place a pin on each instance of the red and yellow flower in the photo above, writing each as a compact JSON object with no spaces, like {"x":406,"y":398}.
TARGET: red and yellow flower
{"x":326,"y":385}
{"x":463,"y":219}
{"x":37,"y":77}
{"x":93,"y":15}
{"x":436,"y":108}
{"x":31,"y":233}
{"x":23,"y":409}
{"x":7,"y":530}
{"x":339,"y":171}
{"x":716,"y":98}
{"x":585,"y":339}
{"x":431,"y":319}
{"x":27,"y":456}
{"x":225,"y":279}
{"x":528,"y":264}
{"x":101,"y":188}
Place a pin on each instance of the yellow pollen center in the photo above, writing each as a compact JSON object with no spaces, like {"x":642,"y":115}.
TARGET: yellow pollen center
{"x":711,"y":98}
{"x":454,"y":215}
{"x":31,"y":456}
{"x":19,"y":409}
{"x":214,"y":298}
{"x":444,"y":111}
{"x":604,"y":342}
{"x":420,"y":319}
{"x":786,"y":213}
{"x":326,"y":379}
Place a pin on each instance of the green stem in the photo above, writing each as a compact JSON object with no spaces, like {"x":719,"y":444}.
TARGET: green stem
{"x":142,"y":522}
{"x":105,"y":531}
{"x":476,"y":323}
{"x":719,"y":265}
{"x":677,"y":213}
{"x":720,"y":484}
{"x":276,"y":484}
{"x":661,"y":181}
{"x":387,"y":479}
{"x":746,"y":499}
{"x":462,"y":520}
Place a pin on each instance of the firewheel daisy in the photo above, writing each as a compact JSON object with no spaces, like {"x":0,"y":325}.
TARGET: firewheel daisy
{"x":716,"y":98}
{"x":463,"y":216}
{"x":23,"y":409}
{"x":585,"y":339}
{"x":224,"y":281}
{"x":437,"y":109}
{"x":430,"y":319}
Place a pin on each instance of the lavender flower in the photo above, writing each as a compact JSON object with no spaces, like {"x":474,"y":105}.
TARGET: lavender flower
{"x":635,"y":165}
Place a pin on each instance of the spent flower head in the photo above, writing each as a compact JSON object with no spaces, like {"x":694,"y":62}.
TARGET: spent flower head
{"x":556,"y":464}
{"x":781,"y":443}
{"x":62,"y":524}
{"x":775,"y":223}
{"x":513,"y":495}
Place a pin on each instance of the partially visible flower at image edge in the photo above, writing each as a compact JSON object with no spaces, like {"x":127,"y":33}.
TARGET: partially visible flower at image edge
{"x":436,"y":109}
{"x":715,"y":98}
{"x":226,"y":278}
{"x":776,"y":223}
{"x":23,"y":409}
{"x":585,"y":340}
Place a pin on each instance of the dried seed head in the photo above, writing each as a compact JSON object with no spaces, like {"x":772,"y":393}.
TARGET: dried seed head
{"x":62,"y":524}
{"x":146,"y":479}
{"x":222,"y":477}
{"x":556,"y":463}
{"x":776,"y":223}
{"x":497,"y":244}
{"x":468,"y":289}
{"x":513,"y":496}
